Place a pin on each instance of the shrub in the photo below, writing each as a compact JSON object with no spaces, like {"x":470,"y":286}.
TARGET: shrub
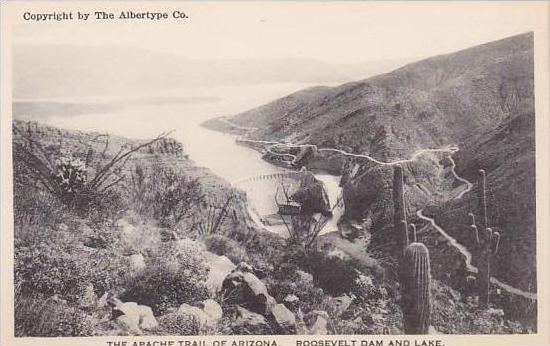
{"x":178,"y":324}
{"x":176,"y":276}
{"x":223,"y":246}
{"x":42,"y":270}
{"x":33,"y":206}
{"x":45,"y":269}
{"x":287,"y":281}
{"x":334,"y":275}
{"x":164,"y":194}
{"x":49,"y":318}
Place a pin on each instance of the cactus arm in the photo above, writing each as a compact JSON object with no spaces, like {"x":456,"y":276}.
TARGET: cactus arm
{"x":488,"y":235}
{"x":496,"y":235}
{"x":404,"y":229}
{"x":476,"y":232}
{"x":473,"y":218}
{"x":413,"y":230}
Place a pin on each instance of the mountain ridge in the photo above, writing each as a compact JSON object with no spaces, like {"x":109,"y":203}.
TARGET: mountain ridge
{"x":480,"y":99}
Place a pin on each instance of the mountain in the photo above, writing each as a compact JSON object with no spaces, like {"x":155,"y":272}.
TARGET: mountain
{"x":480,"y":99}
{"x":43,"y":71}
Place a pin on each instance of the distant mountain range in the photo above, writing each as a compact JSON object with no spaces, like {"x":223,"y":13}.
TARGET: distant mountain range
{"x":480,"y":99}
{"x":42,"y":71}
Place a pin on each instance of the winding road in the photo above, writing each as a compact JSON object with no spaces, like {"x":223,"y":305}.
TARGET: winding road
{"x":450,"y":150}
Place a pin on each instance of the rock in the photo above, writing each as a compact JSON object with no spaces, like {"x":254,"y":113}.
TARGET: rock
{"x":341,"y":304}
{"x":213,"y":310}
{"x":301,"y":328}
{"x":95,"y":242}
{"x":220,"y":267}
{"x":137,"y":263}
{"x":245,"y":267}
{"x":499,"y":313}
{"x":366,"y":280}
{"x":102,"y":301}
{"x":337,"y":253}
{"x":284,"y":319}
{"x":432,"y":331}
{"x":312,"y":196}
{"x":321,"y":313}
{"x":260,"y":273}
{"x":383,"y":292}
{"x":248,"y":322}
{"x":291,"y":301}
{"x":195,"y":313}
{"x":129,"y":324}
{"x":126,"y":227}
{"x":319,"y":327}
{"x":147,"y":320}
{"x":136,"y":315}
{"x":168,"y":235}
{"x":305,"y":278}
{"x":245,"y":289}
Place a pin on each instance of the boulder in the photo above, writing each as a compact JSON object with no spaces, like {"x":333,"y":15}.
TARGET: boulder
{"x":312,"y":196}
{"x":319,"y":326}
{"x":245,"y":289}
{"x":147,"y":320}
{"x":102,"y":301}
{"x":284,"y":319}
{"x":498,"y":313}
{"x":304,"y":277}
{"x":245,"y":267}
{"x":213,"y":310}
{"x":341,"y":304}
{"x":128,"y":324}
{"x":135,"y":315}
{"x":137,"y":263}
{"x":220,"y":267}
{"x":301,"y":327}
{"x":194,"y":313}
{"x":291,"y":301}
{"x":248,"y":322}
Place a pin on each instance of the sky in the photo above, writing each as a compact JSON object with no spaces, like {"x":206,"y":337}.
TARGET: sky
{"x":343,"y":32}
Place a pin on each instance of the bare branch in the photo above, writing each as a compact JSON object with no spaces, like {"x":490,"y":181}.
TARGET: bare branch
{"x":105,"y":170}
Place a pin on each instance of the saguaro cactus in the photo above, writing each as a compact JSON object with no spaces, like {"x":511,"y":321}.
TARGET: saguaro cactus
{"x":487,"y":241}
{"x":416,"y":281}
{"x":399,"y":213}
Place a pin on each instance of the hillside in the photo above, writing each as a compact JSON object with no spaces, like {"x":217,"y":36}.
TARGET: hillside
{"x":143,"y":254}
{"x":480,"y":99}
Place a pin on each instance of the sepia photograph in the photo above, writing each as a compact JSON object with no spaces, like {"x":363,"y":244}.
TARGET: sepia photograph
{"x":283,"y":169}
